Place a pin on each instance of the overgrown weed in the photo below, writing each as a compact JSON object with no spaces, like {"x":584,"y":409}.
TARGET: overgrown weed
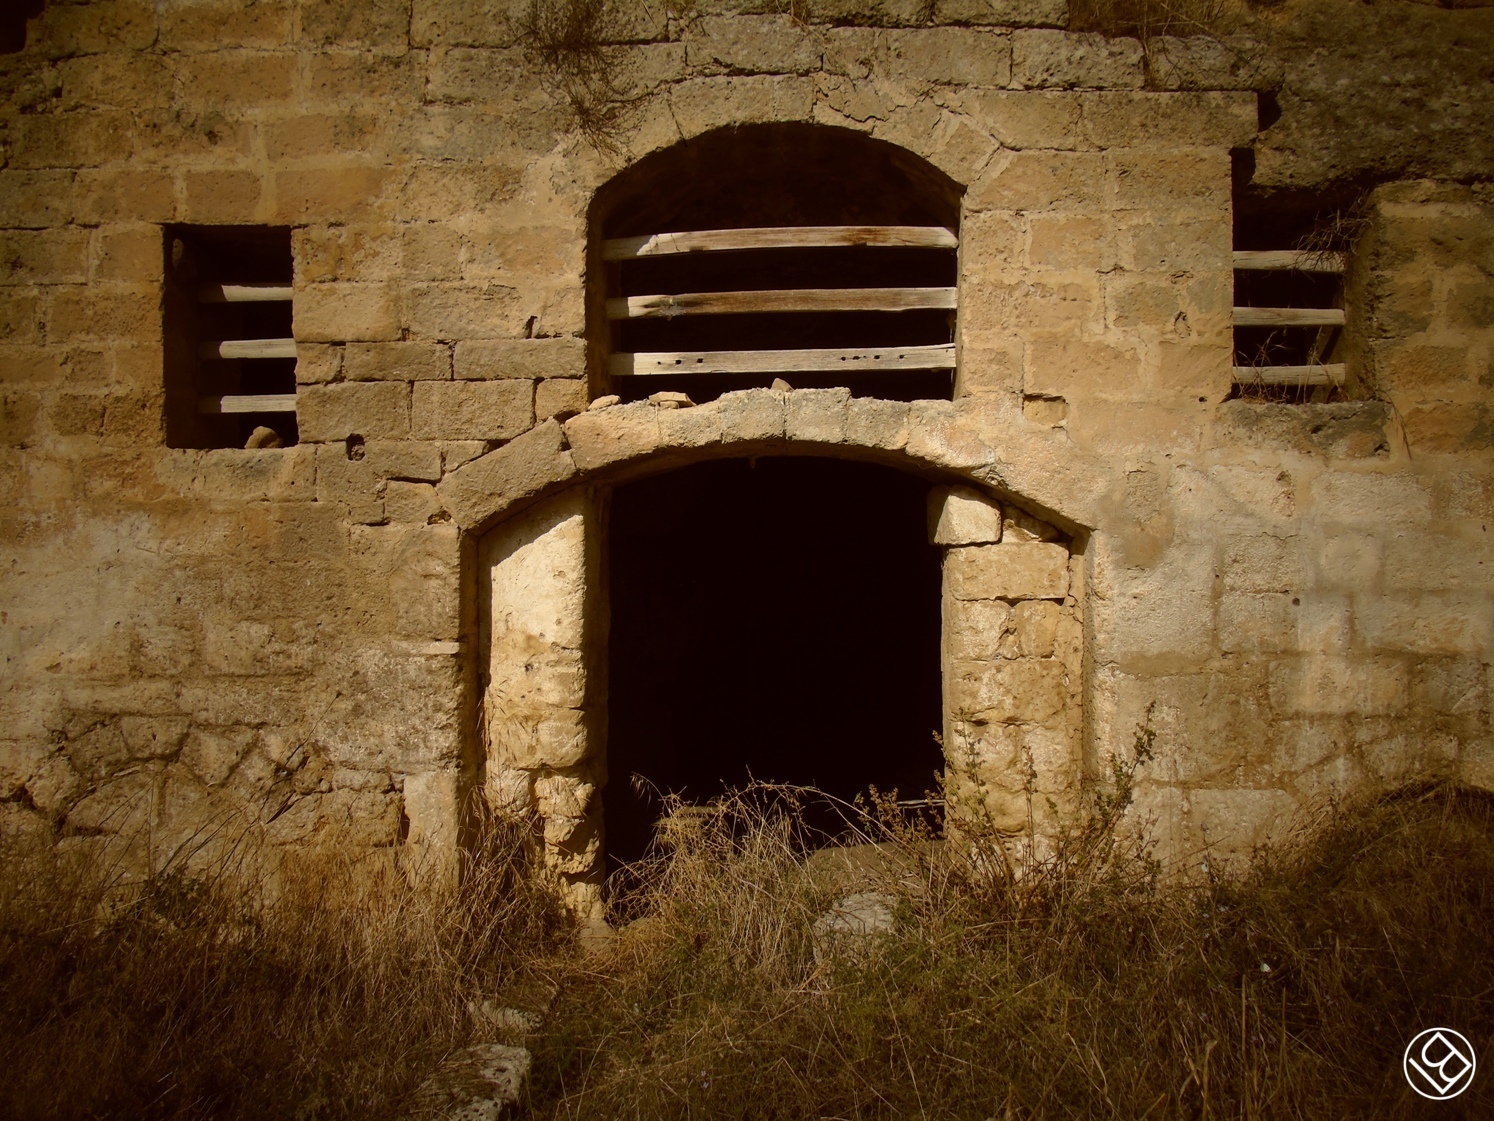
{"x":1073,"y":981}
{"x":310,"y":988}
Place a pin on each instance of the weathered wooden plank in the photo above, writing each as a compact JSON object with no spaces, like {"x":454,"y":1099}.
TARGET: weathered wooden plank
{"x":777,"y":237}
{"x":250,"y":348}
{"x":243,"y":293}
{"x":1290,"y":375}
{"x":776,"y":300}
{"x":1289,"y":317}
{"x":783,"y":361}
{"x":248,"y":403}
{"x":1293,"y":260}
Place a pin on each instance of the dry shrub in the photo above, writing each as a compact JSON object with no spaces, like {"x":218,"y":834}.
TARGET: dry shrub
{"x":571,"y":42}
{"x":1020,"y":983}
{"x":1085,"y":985}
{"x":320,"y":987}
{"x":1148,"y":18}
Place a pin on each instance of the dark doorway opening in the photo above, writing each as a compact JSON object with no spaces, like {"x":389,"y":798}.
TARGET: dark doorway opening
{"x":775,"y":619}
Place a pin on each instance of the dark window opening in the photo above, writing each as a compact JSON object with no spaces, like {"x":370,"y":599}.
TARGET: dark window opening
{"x":778,"y":620}
{"x":1291,"y":254}
{"x":802,"y":178}
{"x":230,"y":365}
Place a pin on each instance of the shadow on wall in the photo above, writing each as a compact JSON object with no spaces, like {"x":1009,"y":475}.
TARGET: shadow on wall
{"x":775,"y":619}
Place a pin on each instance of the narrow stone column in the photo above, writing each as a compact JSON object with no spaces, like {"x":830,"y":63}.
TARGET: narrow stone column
{"x":543,"y":685}
{"x":1011,"y":650}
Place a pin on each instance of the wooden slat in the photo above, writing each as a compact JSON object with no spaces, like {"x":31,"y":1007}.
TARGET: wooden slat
{"x":783,"y":361}
{"x":243,"y":293}
{"x":777,"y":237}
{"x":1289,"y":317}
{"x":1290,"y":375}
{"x":1293,"y":260}
{"x":249,"y":403}
{"x":250,"y":348}
{"x":788,"y":299}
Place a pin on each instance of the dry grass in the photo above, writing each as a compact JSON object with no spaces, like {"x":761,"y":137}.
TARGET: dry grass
{"x":210,"y":996}
{"x":1085,"y":985}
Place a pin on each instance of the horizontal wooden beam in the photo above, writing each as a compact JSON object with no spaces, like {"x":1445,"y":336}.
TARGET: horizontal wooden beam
{"x":783,"y":361}
{"x":248,"y":403}
{"x":777,"y":237}
{"x":1290,"y":375}
{"x":1289,"y":317}
{"x":776,"y":300}
{"x":1292,"y":260}
{"x":249,"y":348}
{"x":243,"y":293}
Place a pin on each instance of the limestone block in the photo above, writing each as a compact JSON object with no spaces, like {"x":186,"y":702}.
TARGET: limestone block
{"x":343,"y":312}
{"x":1351,"y":429}
{"x":316,"y":364}
{"x":418,"y":461}
{"x":962,"y":516}
{"x":537,"y":579}
{"x":35,"y":199}
{"x":521,"y":358}
{"x":454,"y":453}
{"x":259,"y":475}
{"x":816,"y":415}
{"x":560,"y":397}
{"x":456,"y":23}
{"x":1326,"y":685}
{"x":472,"y":410}
{"x":690,"y":427}
{"x":1165,"y":611}
{"x":58,"y":256}
{"x":464,"y":311}
{"x":153,"y":737}
{"x":564,"y":795}
{"x":954,"y":55}
{"x":212,"y":754}
{"x":1258,"y":623}
{"x":351,"y":484}
{"x":1047,"y":59}
{"x":1443,"y":622}
{"x":123,"y":194}
{"x":1367,"y":499}
{"x":869,"y":13}
{"x":81,"y":314}
{"x":415,"y":503}
{"x":1150,"y":180}
{"x":978,"y":630}
{"x":1036,"y":625}
{"x":601,"y":439}
{"x":431,"y":251}
{"x":1012,"y":570}
{"x":1003,"y":13}
{"x":1139,"y":120}
{"x":1237,"y":820}
{"x":122,"y":806}
{"x":396,"y":361}
{"x":939,"y":433}
{"x":1020,"y":690}
{"x":370,"y":409}
{"x":431,"y":806}
{"x":73,"y":140}
{"x":215,"y":25}
{"x":526,"y":466}
{"x":706,"y":103}
{"x":222,"y":196}
{"x":771,"y":44}
{"x":874,"y":423}
{"x":1263,"y":564}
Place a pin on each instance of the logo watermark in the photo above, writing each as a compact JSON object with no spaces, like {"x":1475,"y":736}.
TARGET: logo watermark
{"x":1439,"y":1064}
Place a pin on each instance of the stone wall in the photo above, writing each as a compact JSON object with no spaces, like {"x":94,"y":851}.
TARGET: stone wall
{"x":289,"y":640}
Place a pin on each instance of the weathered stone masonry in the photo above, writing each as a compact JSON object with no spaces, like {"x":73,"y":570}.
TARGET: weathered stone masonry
{"x":341,"y":638}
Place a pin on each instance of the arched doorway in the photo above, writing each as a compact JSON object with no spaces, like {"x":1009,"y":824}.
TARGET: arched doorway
{"x":774,"y":619}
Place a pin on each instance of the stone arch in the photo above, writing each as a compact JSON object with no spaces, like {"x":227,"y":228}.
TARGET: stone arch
{"x":1012,"y":606}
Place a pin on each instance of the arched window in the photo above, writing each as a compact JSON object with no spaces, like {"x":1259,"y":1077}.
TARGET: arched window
{"x":810,"y":253}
